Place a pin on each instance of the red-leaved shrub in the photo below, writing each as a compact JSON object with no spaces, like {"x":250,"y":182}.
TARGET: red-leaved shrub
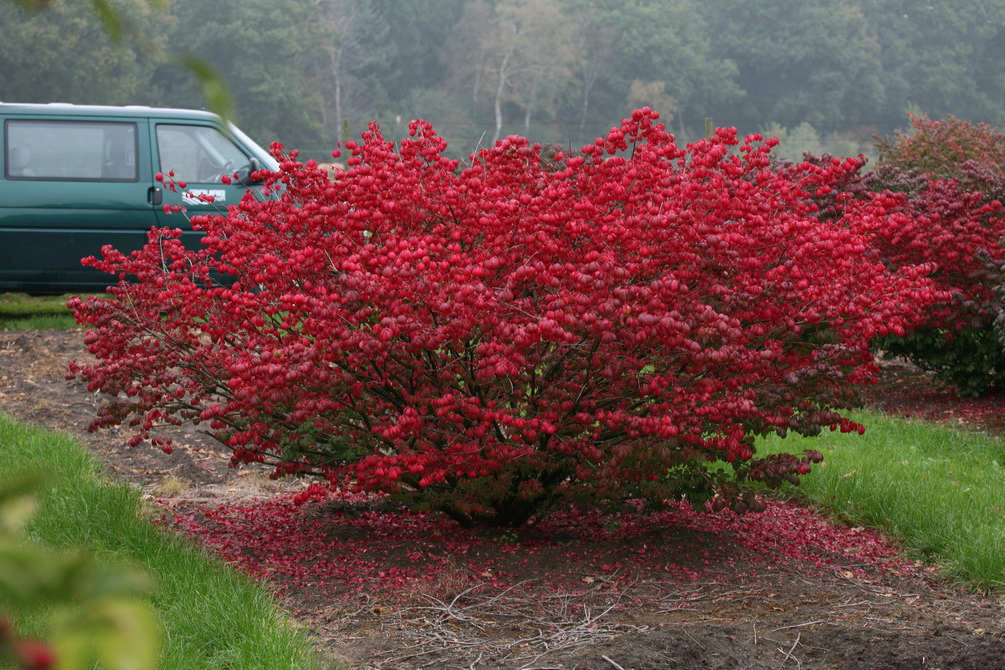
{"x":948,"y":178}
{"x":491,"y":339}
{"x":951,"y":148}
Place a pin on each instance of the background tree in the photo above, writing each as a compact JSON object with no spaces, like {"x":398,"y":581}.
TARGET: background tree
{"x":416,"y":34}
{"x":545,"y":55}
{"x":944,"y":56}
{"x":665,"y":42}
{"x":594,"y":39}
{"x":349,"y":28}
{"x":652,"y":93}
{"x":798,"y":60}
{"x":849,"y":69}
{"x":526,"y":49}
{"x":263,"y":51}
{"x":99,"y":72}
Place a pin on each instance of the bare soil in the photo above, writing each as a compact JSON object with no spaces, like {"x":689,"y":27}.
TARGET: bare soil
{"x":788,"y":613}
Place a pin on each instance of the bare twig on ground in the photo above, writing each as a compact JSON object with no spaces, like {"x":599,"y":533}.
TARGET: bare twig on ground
{"x":796,"y":625}
{"x":606,"y":658}
{"x":788,"y":654}
{"x":467,"y":623}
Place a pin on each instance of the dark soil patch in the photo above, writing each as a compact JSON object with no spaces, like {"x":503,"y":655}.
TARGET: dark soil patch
{"x":33,"y":388}
{"x":385,"y":589}
{"x":904,"y":390}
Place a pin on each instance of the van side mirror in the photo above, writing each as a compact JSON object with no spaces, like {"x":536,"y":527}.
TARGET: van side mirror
{"x":244,"y":174}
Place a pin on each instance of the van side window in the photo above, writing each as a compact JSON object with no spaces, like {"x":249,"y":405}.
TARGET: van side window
{"x":71,"y":150}
{"x":199,"y":154}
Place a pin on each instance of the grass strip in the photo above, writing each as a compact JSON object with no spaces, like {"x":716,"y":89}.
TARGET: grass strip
{"x":19,"y":311}
{"x":936,"y":489}
{"x":212,"y":617}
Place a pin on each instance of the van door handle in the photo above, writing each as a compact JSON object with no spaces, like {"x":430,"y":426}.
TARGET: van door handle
{"x":154,"y":196}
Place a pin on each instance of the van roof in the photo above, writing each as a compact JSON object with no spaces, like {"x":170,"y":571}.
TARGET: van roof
{"x":129,"y":111}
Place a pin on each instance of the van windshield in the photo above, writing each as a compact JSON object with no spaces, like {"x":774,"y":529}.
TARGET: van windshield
{"x":264,"y":158}
{"x":203,"y":154}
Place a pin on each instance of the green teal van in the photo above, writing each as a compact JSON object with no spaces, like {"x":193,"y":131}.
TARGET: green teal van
{"x":74,"y":178}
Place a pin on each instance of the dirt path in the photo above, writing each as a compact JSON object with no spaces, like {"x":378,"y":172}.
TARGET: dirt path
{"x":390,"y":590}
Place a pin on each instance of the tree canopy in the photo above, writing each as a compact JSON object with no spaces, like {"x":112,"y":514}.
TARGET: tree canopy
{"x":558,"y":71}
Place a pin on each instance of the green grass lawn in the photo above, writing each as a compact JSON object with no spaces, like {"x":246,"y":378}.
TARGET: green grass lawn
{"x":939,"y":491}
{"x":211,"y":616}
{"x":19,"y":311}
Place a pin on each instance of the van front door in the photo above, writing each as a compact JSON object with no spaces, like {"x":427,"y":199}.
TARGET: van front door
{"x":203,"y":158}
